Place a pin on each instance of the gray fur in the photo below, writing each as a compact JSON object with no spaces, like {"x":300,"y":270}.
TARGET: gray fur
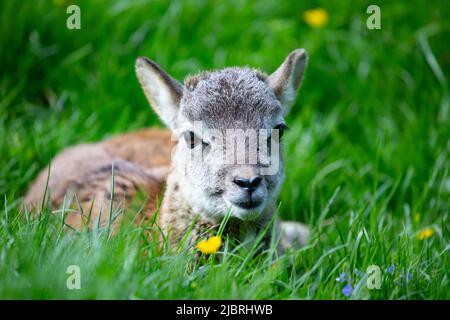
{"x":231,"y":98}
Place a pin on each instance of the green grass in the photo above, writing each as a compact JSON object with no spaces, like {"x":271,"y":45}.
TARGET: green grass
{"x":367,"y":155}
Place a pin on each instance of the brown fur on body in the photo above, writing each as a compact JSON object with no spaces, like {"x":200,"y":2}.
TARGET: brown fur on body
{"x":83,"y":173}
{"x":146,"y":160}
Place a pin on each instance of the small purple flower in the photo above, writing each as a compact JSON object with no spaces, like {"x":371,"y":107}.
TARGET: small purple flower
{"x":342,"y":277}
{"x":359,"y":273}
{"x":405,"y":277}
{"x":347,"y":290}
{"x":390,"y":269}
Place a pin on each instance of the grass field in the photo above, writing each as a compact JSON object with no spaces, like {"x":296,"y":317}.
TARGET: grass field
{"x":367,"y":155}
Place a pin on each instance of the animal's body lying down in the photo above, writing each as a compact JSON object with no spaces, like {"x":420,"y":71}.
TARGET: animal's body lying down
{"x":206,"y":188}
{"x":82,"y":174}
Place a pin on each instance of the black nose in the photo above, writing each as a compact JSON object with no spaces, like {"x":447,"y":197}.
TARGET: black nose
{"x":249,"y":184}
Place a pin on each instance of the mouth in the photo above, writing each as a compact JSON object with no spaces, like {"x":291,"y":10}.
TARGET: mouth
{"x":248,"y":205}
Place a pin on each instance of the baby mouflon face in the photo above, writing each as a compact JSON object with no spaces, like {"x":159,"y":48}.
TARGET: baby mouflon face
{"x":229,"y":126}
{"x":225,"y":128}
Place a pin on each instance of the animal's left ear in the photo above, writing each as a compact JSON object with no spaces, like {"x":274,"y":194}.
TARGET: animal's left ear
{"x":286,"y":80}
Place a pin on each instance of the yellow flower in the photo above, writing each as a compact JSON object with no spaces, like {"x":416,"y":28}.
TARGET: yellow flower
{"x":425,"y":233}
{"x":316,"y":18}
{"x":209,"y":246}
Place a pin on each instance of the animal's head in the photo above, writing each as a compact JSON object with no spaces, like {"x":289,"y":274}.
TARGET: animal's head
{"x":225,"y":121}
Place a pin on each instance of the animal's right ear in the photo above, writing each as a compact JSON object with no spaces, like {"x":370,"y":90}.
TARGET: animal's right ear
{"x":162,"y":91}
{"x":286,"y":80}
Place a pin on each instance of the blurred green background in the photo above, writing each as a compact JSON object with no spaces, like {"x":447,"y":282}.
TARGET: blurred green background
{"x":370,"y":129}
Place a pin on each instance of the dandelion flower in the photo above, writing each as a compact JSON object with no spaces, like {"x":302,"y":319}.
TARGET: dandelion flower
{"x":316,"y":18}
{"x":425,"y":233}
{"x":209,"y":246}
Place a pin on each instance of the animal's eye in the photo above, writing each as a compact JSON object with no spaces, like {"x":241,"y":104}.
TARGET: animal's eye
{"x":281,"y":129}
{"x":192,"y":140}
